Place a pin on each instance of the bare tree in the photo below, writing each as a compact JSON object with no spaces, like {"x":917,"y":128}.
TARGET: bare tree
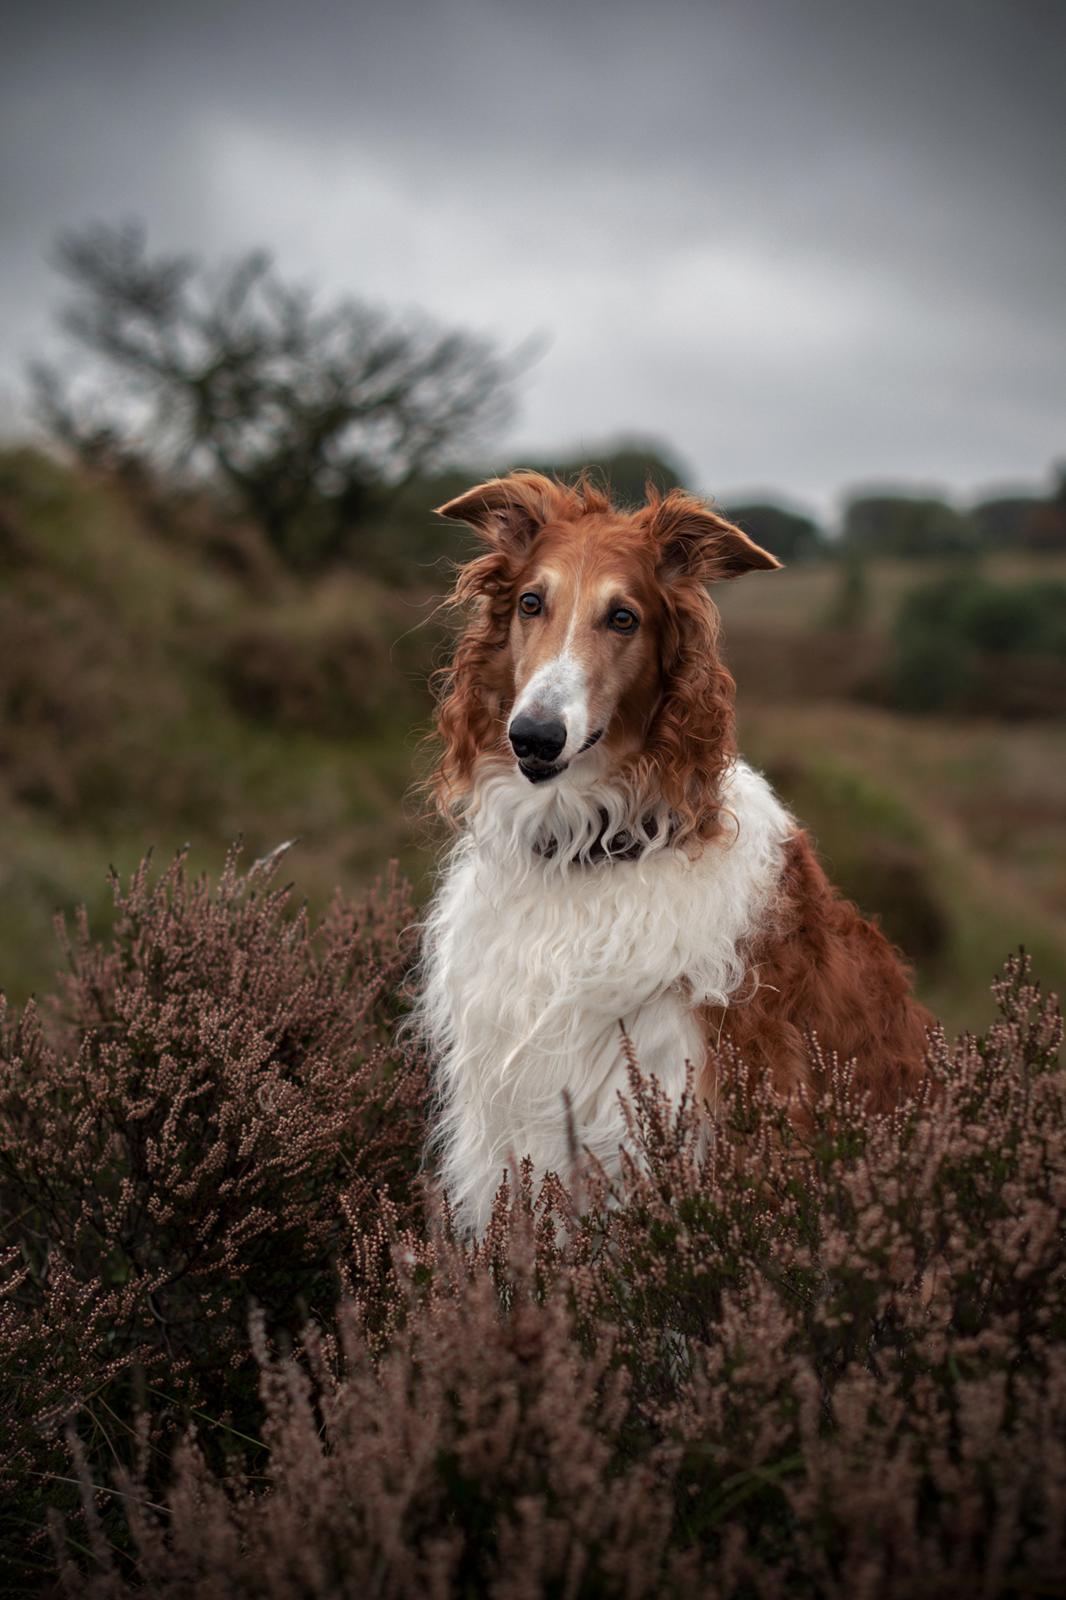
{"x":309,"y":414}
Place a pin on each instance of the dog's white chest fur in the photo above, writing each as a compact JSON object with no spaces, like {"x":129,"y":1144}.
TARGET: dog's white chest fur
{"x":534,"y":968}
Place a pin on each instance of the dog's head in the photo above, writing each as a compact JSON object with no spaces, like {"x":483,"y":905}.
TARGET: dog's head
{"x":593,"y":627}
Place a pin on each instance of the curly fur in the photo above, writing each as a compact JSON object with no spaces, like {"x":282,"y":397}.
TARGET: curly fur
{"x":692,"y":739}
{"x":655,"y":888}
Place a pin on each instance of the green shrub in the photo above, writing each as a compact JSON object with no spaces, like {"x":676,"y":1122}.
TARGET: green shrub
{"x":850,"y":605}
{"x":906,"y":525}
{"x":945,"y":629}
{"x":790,"y":536}
{"x":1029,"y":619}
{"x":932,"y":671}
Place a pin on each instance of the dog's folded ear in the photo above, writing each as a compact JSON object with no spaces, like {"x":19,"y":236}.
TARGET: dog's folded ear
{"x":695,"y":542}
{"x":507,"y":512}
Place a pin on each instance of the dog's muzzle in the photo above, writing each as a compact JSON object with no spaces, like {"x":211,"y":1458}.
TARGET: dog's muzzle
{"x":538,"y":743}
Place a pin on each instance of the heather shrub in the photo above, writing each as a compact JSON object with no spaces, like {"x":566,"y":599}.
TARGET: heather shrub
{"x":185,"y":1131}
{"x":807,"y":1355}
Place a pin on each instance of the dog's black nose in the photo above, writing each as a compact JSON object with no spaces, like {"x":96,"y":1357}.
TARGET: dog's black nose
{"x":532,"y":739}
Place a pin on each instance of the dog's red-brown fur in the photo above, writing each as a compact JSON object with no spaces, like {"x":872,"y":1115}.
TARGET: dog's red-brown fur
{"x":825,"y":969}
{"x":818,"y":966}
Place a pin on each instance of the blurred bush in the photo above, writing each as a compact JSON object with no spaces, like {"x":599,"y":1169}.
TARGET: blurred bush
{"x":1032,"y":522}
{"x":906,"y":525}
{"x":788,"y":535}
{"x":850,"y":605}
{"x":325,"y":684}
{"x":958,"y":641}
{"x":762,"y":1363}
{"x":909,"y":525}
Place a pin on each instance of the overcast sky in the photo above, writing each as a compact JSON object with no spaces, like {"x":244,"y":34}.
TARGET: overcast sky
{"x":807,"y":244}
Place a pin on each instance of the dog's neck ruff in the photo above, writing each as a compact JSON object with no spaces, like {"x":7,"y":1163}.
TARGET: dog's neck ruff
{"x":542,"y":951}
{"x":610,"y":844}
{"x":579,"y":819}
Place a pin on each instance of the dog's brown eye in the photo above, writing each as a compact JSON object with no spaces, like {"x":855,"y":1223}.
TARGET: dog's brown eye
{"x":530,"y":605}
{"x":622,"y":620}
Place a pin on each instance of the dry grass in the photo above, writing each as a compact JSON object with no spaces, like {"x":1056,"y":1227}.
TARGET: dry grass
{"x":800,"y":598}
{"x":979,"y":807}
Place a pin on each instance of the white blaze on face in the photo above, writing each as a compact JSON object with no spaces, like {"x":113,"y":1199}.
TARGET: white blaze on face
{"x":559,"y":689}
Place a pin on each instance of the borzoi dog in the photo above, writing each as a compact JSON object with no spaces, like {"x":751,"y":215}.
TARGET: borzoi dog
{"x":618,"y":871}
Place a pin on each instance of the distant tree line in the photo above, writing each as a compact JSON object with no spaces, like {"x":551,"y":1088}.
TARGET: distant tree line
{"x":791,"y":536}
{"x":629,"y":468}
{"x":334,"y":428}
{"x":914,"y":526}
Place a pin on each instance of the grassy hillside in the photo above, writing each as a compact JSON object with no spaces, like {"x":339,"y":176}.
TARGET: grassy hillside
{"x":153,"y":694}
{"x":952,"y":829}
{"x":162,"y":681}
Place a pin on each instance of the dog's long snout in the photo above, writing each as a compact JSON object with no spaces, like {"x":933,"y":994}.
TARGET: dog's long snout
{"x":536,"y":739}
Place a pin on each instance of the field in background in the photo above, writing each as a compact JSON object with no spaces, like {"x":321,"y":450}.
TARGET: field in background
{"x":952,"y":828}
{"x":158,"y":687}
{"x":154,"y":693}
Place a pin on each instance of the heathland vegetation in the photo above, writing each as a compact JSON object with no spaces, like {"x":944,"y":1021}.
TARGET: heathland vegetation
{"x":240,"y":1352}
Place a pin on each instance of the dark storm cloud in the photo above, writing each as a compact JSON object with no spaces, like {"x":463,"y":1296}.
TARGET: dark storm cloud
{"x":806,"y":243}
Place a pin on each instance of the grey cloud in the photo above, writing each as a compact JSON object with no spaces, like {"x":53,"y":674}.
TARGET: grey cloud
{"x":807,"y":242}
